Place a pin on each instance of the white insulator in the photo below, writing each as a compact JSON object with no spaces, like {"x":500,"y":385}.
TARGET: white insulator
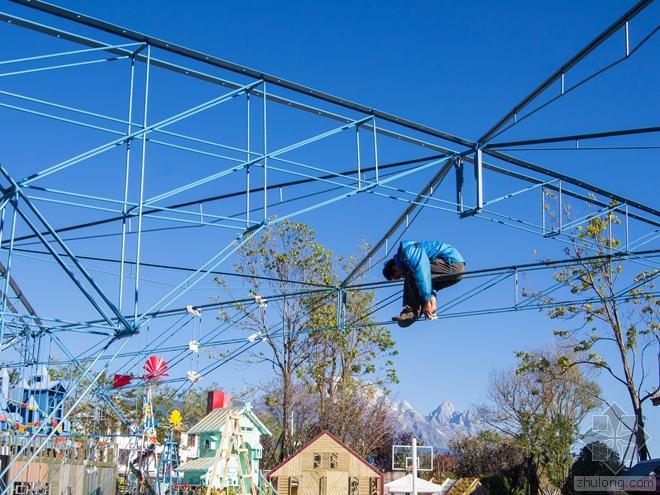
{"x":191,"y":310}
{"x":193,"y":376}
{"x":193,"y":346}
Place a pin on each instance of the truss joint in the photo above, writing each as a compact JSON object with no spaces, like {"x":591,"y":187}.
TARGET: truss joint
{"x":125,"y":332}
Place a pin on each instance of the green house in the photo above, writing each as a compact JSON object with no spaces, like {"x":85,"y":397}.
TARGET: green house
{"x":209,"y":469}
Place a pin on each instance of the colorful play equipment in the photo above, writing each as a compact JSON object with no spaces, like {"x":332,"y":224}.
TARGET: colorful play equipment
{"x":168,"y":476}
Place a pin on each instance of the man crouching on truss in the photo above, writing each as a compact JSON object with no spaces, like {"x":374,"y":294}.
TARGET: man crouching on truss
{"x":426,"y":267}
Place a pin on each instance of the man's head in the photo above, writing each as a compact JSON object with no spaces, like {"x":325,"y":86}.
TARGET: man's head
{"x":391,"y":270}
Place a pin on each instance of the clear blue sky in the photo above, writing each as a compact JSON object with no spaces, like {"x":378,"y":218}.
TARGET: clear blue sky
{"x":455,"y":66}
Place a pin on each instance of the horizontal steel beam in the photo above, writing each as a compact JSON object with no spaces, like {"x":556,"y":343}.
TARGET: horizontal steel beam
{"x":565,"y":191}
{"x":574,"y":60}
{"x":572,"y":180}
{"x":526,"y":267}
{"x":179,"y":268}
{"x":574,"y":137}
{"x":542,"y":265}
{"x":233,"y":67}
{"x":209,"y":78}
{"x":428,"y":188}
{"x":308,"y":91}
{"x":229,"y":195}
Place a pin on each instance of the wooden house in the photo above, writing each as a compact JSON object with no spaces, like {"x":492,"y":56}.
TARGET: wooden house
{"x":326,"y":466}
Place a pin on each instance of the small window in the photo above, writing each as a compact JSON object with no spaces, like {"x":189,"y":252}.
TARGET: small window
{"x":373,"y":486}
{"x":317,"y":461}
{"x":333,"y":461}
{"x":207,"y":445}
{"x":353,"y":486}
{"x":293,"y":486}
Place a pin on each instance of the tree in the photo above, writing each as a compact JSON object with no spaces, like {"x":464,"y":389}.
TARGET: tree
{"x":365,"y":419}
{"x":444,"y":466}
{"x":616,"y":314}
{"x":371,"y":430}
{"x":346,"y":350}
{"x":542,"y":413}
{"x":192,"y":404}
{"x":92,"y":415}
{"x":311,"y":348}
{"x":282,"y":260}
{"x":383,"y":453}
{"x":494,"y":458}
{"x":585,"y":465}
{"x":303,"y":414}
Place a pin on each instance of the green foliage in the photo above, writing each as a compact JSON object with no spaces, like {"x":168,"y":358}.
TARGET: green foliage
{"x":309,"y":344}
{"x":584,"y":465}
{"x":617,"y":314}
{"x":91,"y":416}
{"x":540,"y":404}
{"x":494,"y":458}
{"x":329,"y":371}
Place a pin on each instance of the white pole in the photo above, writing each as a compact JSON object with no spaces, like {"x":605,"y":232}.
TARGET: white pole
{"x":414,"y":466}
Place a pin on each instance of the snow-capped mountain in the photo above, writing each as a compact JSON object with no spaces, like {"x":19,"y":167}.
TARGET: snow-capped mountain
{"x":440,"y":426}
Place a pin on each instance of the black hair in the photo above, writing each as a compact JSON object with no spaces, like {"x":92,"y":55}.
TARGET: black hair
{"x":388,"y":269}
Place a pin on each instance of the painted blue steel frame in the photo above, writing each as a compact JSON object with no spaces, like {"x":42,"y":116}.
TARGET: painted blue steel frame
{"x":155,"y":127}
{"x":20,"y":196}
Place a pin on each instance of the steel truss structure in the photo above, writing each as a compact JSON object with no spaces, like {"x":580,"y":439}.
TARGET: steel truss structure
{"x":112,"y":243}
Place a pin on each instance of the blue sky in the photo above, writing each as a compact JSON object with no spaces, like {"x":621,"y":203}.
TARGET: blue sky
{"x":455,"y":66}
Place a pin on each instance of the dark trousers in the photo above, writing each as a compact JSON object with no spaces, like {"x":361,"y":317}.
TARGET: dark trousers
{"x":443,"y":275}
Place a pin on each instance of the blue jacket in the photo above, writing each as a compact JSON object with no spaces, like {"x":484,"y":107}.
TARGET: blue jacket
{"x":413,"y":257}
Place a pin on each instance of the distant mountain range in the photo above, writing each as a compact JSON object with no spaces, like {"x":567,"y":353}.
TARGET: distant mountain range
{"x":435,"y":429}
{"x":439,"y":426}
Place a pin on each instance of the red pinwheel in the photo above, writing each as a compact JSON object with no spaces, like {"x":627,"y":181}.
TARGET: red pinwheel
{"x":155,"y":368}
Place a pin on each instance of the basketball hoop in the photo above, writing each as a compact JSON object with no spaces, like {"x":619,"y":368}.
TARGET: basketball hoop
{"x":402,"y":458}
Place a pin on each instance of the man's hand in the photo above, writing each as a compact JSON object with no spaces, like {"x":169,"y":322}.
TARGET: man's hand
{"x":428,"y":308}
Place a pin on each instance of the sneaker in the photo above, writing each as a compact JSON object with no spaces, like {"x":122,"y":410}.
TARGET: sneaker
{"x":435,"y":303}
{"x":407,"y":317}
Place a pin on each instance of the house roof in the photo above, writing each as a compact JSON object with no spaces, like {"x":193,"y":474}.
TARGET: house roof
{"x":27,"y":384}
{"x":464,"y":486}
{"x":201,"y":464}
{"x":216,"y":419}
{"x":273,"y":471}
{"x":644,"y":468}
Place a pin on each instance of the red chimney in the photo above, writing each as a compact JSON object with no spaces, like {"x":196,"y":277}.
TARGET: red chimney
{"x":217,"y":399}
